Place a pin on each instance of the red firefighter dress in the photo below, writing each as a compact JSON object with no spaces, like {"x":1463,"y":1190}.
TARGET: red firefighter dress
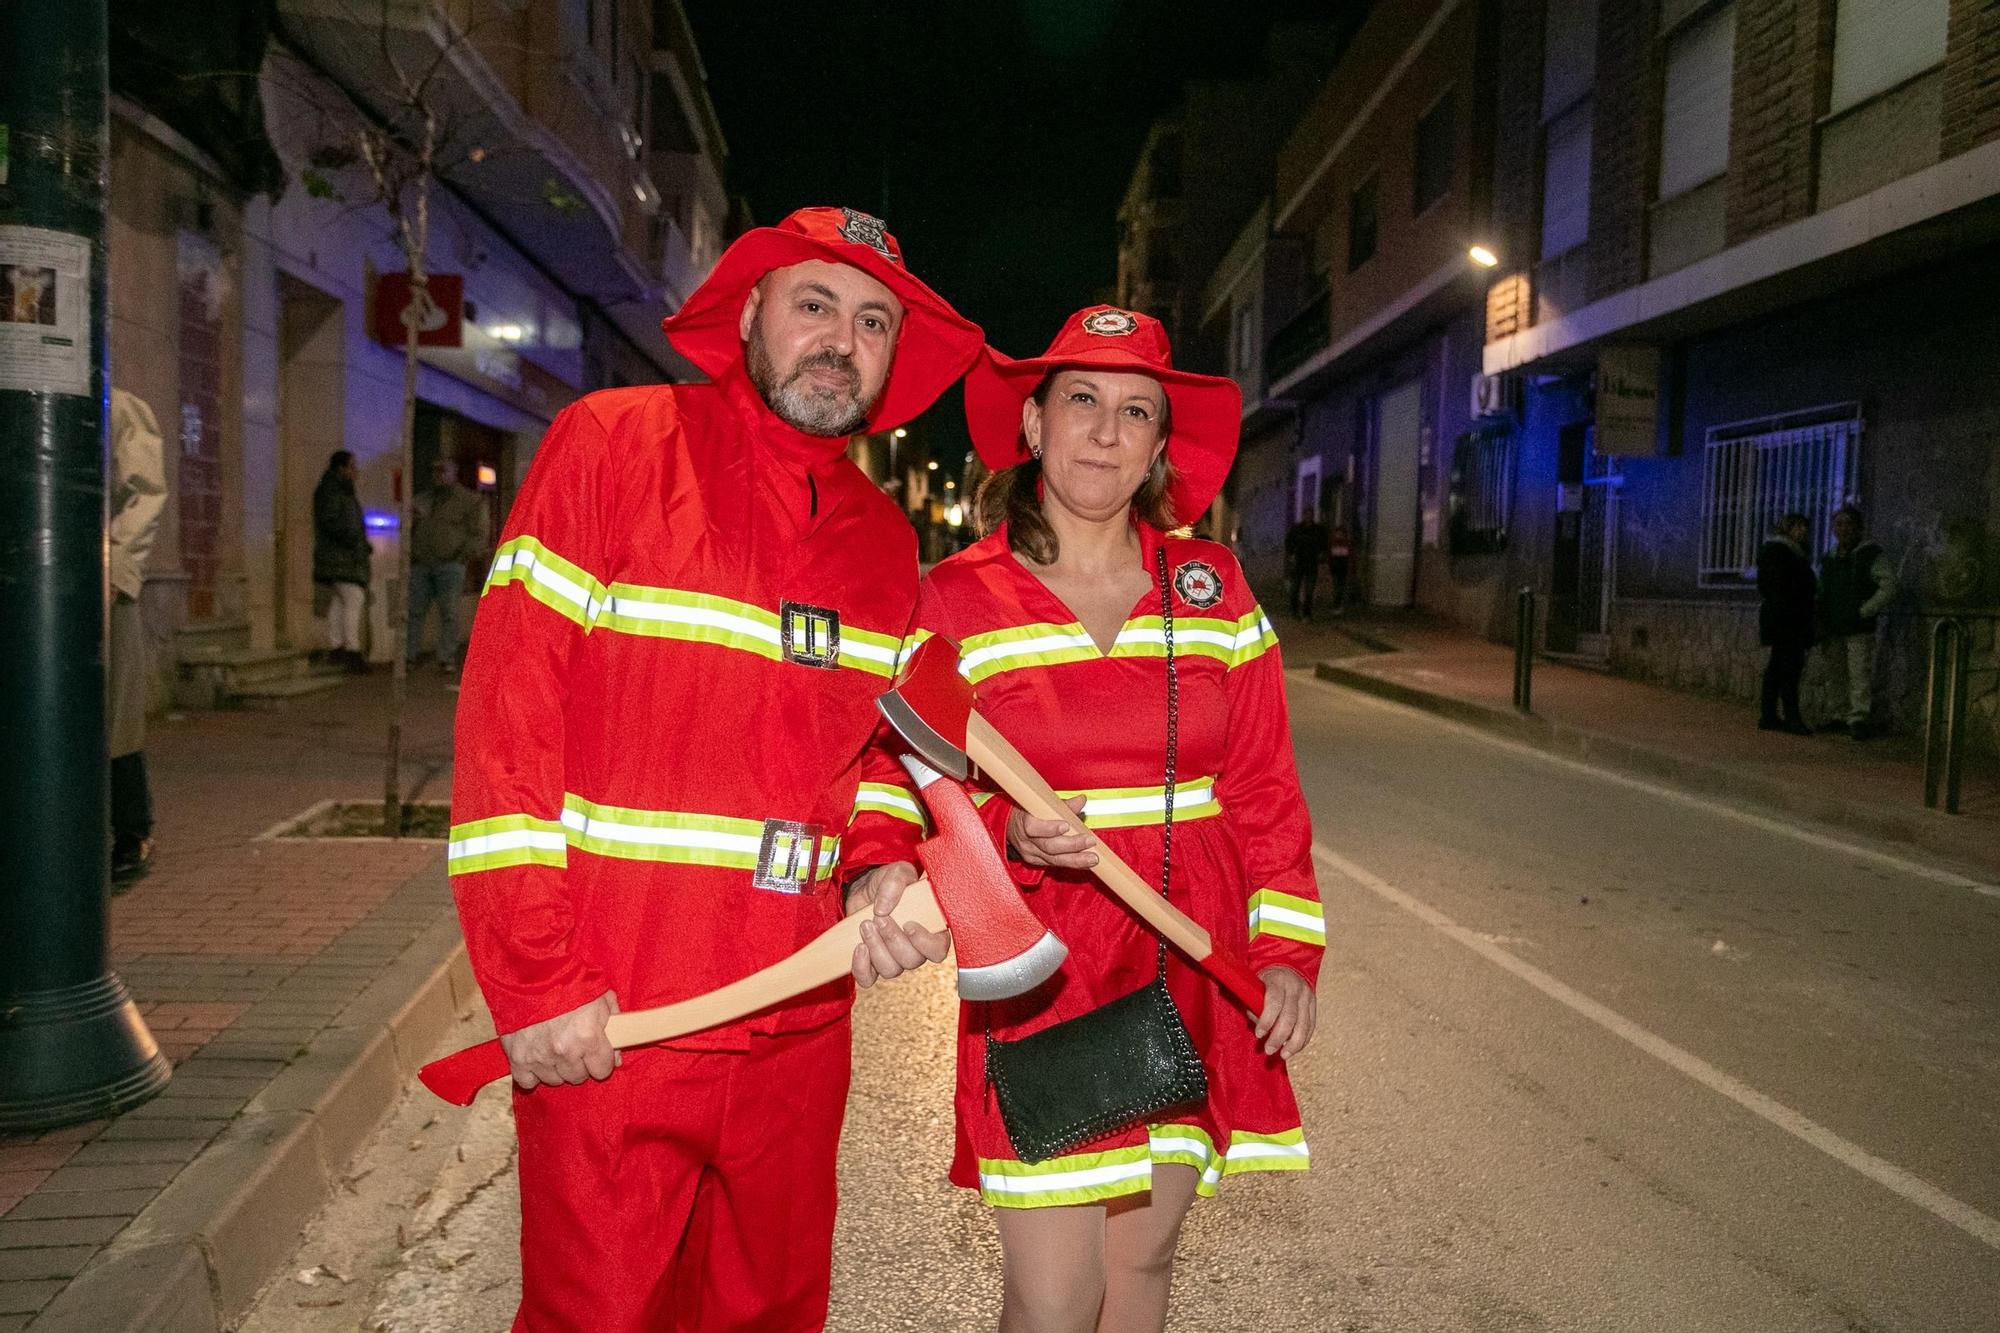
{"x":1095,"y":722}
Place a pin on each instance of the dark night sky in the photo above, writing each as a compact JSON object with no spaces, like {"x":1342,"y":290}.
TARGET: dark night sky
{"x":995,"y":137}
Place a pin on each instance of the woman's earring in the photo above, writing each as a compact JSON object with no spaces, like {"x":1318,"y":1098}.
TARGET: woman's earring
{"x":1035,"y":452}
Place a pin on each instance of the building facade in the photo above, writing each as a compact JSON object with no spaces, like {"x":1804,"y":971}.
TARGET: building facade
{"x":578,"y":200}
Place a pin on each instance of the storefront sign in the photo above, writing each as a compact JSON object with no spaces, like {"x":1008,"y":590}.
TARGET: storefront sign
{"x":44,"y":311}
{"x":1628,"y":401}
{"x":443,"y":325}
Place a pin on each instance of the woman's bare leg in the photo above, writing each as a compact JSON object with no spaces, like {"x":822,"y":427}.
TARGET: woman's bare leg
{"x":1052,"y":1268}
{"x":1140,"y":1233}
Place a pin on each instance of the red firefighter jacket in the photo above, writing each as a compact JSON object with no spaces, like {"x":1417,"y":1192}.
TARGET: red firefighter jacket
{"x":665,"y":706}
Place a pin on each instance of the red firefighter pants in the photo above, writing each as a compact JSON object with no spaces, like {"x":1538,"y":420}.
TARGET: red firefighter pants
{"x":691,"y":1190}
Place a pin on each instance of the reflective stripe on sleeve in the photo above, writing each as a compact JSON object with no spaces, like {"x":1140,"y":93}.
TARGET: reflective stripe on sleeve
{"x":1288,"y":916}
{"x":568,"y":589}
{"x":884,"y":798}
{"x":1130,"y":807}
{"x":506,"y":840}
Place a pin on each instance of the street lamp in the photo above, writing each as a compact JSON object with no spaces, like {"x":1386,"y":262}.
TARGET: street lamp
{"x":900,"y":433}
{"x":1483,"y":256}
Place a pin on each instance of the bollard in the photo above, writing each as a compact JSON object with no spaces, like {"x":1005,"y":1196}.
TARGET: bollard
{"x":1944,"y":713}
{"x":1524,"y":649}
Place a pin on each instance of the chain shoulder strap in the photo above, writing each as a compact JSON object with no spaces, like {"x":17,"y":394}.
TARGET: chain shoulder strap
{"x":1173,"y":736}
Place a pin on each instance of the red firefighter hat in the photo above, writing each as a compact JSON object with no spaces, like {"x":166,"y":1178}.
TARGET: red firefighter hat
{"x":1206,"y":410}
{"x":934,"y":347}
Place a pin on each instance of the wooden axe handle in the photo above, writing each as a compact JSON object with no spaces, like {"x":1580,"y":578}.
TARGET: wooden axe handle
{"x":830,"y":955}
{"x":998,"y":759}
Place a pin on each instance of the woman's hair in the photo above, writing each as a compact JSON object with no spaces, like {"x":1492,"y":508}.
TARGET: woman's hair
{"x":1013,"y":495}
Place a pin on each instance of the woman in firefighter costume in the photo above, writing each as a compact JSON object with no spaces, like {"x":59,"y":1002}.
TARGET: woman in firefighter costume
{"x":657,"y":789}
{"x":1100,"y":449}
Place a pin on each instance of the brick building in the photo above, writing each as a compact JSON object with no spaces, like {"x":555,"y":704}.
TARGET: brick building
{"x":583,"y":202}
{"x":1748,"y":266}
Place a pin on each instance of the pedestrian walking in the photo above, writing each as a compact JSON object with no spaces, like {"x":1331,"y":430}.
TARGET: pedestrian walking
{"x":448,"y":531}
{"x":1135,"y":670}
{"x":1305,"y":547}
{"x":1785,"y":621}
{"x":138,"y":486}
{"x":1339,"y":555}
{"x":1857,"y":581}
{"x":659,"y":781}
{"x":341,"y":560}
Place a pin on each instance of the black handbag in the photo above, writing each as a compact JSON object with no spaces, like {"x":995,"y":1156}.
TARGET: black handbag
{"x":1121,"y":1063}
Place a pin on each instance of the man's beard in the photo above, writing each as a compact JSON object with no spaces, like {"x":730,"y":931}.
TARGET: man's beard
{"x":798,"y":401}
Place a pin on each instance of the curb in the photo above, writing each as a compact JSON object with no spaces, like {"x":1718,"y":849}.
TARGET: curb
{"x":196,"y":1259}
{"x":1699,"y":776}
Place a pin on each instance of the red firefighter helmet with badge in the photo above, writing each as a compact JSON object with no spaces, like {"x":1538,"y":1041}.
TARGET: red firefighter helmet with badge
{"x":1206,"y":410}
{"x":933,"y":348}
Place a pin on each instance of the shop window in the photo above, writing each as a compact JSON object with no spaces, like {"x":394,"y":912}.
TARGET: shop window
{"x":1754,"y":472}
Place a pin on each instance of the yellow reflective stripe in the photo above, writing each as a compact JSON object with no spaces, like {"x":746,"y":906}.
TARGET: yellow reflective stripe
{"x":1093,"y":1177}
{"x":1077,"y":1178}
{"x":505,"y":840}
{"x":693,"y":617}
{"x":983,"y":655}
{"x":548,"y":578}
{"x":911,"y":644}
{"x":1132,"y":807}
{"x":865,"y":650}
{"x":676,"y":836}
{"x":1288,"y":916}
{"x":884,"y":798}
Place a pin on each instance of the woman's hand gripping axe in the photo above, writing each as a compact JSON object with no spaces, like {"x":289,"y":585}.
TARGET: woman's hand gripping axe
{"x":931,"y":706}
{"x":1002,"y":950}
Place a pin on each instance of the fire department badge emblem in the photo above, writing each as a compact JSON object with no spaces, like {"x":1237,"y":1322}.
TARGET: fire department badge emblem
{"x":1110,"y":323}
{"x":1198,"y":584}
{"x":862,"y":229}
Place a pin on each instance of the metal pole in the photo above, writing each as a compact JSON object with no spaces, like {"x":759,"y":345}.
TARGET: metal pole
{"x":1524,"y":650}
{"x":1936,"y":701}
{"x":1954,"y":745}
{"x":72,"y":1044}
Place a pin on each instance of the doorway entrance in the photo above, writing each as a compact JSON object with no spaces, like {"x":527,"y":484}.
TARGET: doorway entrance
{"x":1393,"y":539}
{"x":1584,"y":575}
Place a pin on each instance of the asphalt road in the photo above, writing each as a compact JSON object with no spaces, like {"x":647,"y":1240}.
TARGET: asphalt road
{"x":1595,"y":1056}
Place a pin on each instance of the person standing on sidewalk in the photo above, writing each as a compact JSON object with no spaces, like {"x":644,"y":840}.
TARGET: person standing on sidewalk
{"x":341,"y":559}
{"x":659,"y":774}
{"x":448,"y":530}
{"x":1857,"y":581}
{"x":1305,"y":547}
{"x":138,"y":495}
{"x":1785,"y":621}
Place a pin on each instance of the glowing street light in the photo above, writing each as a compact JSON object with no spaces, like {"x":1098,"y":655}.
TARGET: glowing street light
{"x":1482,"y":256}
{"x":900,"y":433}
{"x":932,"y":465}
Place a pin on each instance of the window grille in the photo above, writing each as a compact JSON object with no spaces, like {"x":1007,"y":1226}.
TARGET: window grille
{"x":1756,"y":471}
{"x":1482,"y":489}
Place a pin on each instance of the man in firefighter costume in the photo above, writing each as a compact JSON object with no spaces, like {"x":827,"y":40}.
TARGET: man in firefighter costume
{"x":659,"y":776}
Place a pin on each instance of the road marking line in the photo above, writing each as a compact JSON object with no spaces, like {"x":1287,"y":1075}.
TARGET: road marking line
{"x":1708,"y":803}
{"x":1887,"y":1174}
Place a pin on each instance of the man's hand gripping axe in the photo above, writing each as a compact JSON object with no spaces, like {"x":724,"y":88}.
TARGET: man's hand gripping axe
{"x":1002,"y":950}
{"x":931,"y":705}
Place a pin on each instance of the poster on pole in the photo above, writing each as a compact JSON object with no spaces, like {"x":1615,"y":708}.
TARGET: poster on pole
{"x":44,"y":311}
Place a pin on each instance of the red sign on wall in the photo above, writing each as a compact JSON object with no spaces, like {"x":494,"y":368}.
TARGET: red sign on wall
{"x":442,"y":326}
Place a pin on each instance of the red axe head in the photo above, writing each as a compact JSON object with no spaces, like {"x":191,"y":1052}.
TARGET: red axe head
{"x":928,"y":706}
{"x":1002,"y":949}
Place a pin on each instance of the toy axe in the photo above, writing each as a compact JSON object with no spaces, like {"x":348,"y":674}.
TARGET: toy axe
{"x":931,"y":705}
{"x":1002,"y":950}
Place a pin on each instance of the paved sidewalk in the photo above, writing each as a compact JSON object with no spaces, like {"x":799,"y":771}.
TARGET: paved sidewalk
{"x":270,"y":972}
{"x":1704,"y":744}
